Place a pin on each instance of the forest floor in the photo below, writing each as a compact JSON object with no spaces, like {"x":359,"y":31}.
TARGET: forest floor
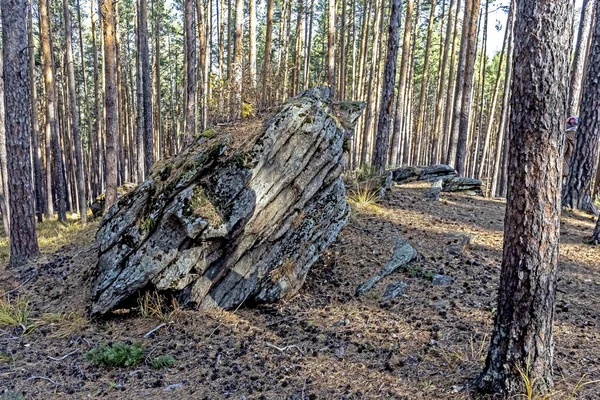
{"x":323,"y":343}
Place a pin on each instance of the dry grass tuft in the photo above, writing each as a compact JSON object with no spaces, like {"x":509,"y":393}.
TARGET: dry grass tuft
{"x":15,"y":312}
{"x":152,"y":305}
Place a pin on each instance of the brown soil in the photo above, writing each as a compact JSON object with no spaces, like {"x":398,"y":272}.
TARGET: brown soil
{"x":325,"y":342}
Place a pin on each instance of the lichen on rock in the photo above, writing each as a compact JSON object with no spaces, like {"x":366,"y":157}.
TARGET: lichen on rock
{"x":218,"y":226}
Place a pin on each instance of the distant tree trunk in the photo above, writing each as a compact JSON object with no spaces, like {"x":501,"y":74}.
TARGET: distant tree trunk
{"x":139,"y":125}
{"x":35,"y":130}
{"x":343,"y":58}
{"x":87,"y":117}
{"x":579,"y":59}
{"x":203,"y":24}
{"x":252,"y":42}
{"x":442,"y":84}
{"x":146,"y":87}
{"x":522,"y":338}
{"x":460,"y":83}
{"x":402,"y":84}
{"x":424,"y":83}
{"x":285,"y":51}
{"x":389,"y":81}
{"x":577,"y":192}
{"x":110,"y":99}
{"x":51,"y":112}
{"x":267,"y":57}
{"x":365,"y":25}
{"x":467,"y":93}
{"x":236,"y":77}
{"x":23,"y":238}
{"x":221,"y":39}
{"x":190,"y":72}
{"x":157,"y":121}
{"x":73,"y":107}
{"x":296,"y":74}
{"x":366,"y":133}
{"x":450,"y":92}
{"x":331,"y":46}
{"x":492,"y":110}
{"x":502,"y":137}
{"x":308,"y":47}
{"x":4,"y":197}
{"x":97,"y":134}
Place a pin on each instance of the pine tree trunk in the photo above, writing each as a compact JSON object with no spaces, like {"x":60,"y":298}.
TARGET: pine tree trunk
{"x":266,"y":78}
{"x":396,"y":134}
{"x":252,"y":42}
{"x":467,"y":93}
{"x":190,"y":73}
{"x":331,"y":47}
{"x":492,"y":110}
{"x":577,"y":192}
{"x":157,"y":120}
{"x":96,"y":139}
{"x":87,"y":117}
{"x":73,"y":107}
{"x":146,"y":87}
{"x":107,"y":8}
{"x":35,"y":130}
{"x":343,"y":56}
{"x":308,"y":47}
{"x":522,"y":337}
{"x":236,"y":77}
{"x":4,"y":192}
{"x":51,"y":112}
{"x":389,"y":81}
{"x":295,"y":84}
{"x":448,"y":112}
{"x":580,"y":57}
{"x":23,"y":238}
{"x":139,"y":126}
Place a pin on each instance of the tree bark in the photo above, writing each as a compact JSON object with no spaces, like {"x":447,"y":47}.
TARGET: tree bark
{"x":522,"y":338}
{"x":4,"y":197}
{"x":252,"y":42}
{"x":23,"y":238}
{"x":107,"y":8}
{"x":389,"y":81}
{"x":579,"y":59}
{"x":577,"y":192}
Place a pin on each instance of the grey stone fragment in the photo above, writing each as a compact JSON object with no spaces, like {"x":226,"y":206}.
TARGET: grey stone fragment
{"x":442,"y":280}
{"x":394,"y":290}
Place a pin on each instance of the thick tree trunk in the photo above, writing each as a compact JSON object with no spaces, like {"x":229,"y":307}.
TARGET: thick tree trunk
{"x":467,"y":93}
{"x":522,"y":337}
{"x":51,"y":113}
{"x":579,"y":59}
{"x":577,"y":192}
{"x":110,"y":99}
{"x":23,"y":238}
{"x":389,"y":81}
{"x":74,"y":109}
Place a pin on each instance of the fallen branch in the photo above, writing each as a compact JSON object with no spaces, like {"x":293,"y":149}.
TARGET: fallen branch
{"x":42,"y":378}
{"x":283,"y":349}
{"x":63,"y":357}
{"x":155,"y":329}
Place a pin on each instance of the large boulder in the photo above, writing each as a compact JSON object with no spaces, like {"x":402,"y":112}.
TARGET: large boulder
{"x":219,"y":225}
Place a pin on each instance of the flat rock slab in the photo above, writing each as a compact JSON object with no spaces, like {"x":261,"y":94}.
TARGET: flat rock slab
{"x":402,"y":254}
{"x":394,"y":290}
{"x":423,"y":173}
{"x":217,"y":227}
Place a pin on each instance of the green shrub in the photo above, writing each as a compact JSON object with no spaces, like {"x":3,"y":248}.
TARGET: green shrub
{"x":117,"y":355}
{"x":164,"y":361}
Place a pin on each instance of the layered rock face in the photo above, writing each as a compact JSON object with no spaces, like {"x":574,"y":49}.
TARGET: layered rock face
{"x":218,"y":226}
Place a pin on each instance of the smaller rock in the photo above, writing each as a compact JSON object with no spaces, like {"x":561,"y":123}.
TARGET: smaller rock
{"x":367,"y":285}
{"x":463,"y":184}
{"x":434,"y":192}
{"x":458,"y":243}
{"x":441,"y":280}
{"x":394,"y":290}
